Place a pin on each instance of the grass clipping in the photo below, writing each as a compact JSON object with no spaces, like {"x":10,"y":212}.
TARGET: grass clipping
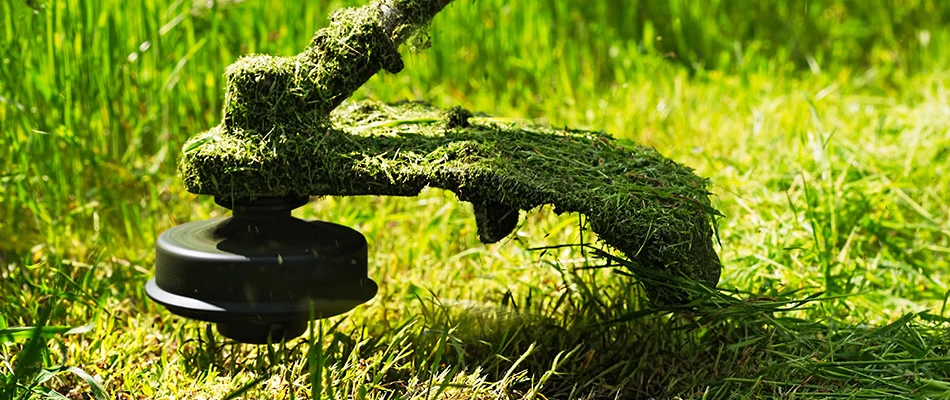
{"x":284,"y":134}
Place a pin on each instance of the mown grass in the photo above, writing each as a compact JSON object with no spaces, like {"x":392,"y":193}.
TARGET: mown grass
{"x":824,"y":126}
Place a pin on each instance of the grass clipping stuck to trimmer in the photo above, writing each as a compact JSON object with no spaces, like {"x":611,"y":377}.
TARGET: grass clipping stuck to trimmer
{"x":283,"y":134}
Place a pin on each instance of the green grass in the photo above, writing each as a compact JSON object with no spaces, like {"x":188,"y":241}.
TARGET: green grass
{"x":823,"y":125}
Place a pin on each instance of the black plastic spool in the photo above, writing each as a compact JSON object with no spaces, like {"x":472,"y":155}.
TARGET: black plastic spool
{"x":261,"y":274}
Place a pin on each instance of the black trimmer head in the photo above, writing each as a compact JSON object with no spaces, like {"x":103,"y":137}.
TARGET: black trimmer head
{"x":261,"y":274}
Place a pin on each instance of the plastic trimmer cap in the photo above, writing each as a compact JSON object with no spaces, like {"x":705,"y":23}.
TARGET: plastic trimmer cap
{"x":261,"y":274}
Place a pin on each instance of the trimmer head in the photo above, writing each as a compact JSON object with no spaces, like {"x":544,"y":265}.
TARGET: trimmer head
{"x":261,"y":275}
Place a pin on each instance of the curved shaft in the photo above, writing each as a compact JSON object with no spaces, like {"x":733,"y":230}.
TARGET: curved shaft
{"x":268,"y":94}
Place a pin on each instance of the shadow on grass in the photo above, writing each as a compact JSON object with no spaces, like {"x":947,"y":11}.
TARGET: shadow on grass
{"x":596,"y":340}
{"x":724,"y":345}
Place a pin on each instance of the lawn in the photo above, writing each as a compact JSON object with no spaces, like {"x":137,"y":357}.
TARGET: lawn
{"x":823,"y":126}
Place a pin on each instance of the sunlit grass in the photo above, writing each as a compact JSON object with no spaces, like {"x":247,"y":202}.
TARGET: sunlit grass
{"x":828,"y":157}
